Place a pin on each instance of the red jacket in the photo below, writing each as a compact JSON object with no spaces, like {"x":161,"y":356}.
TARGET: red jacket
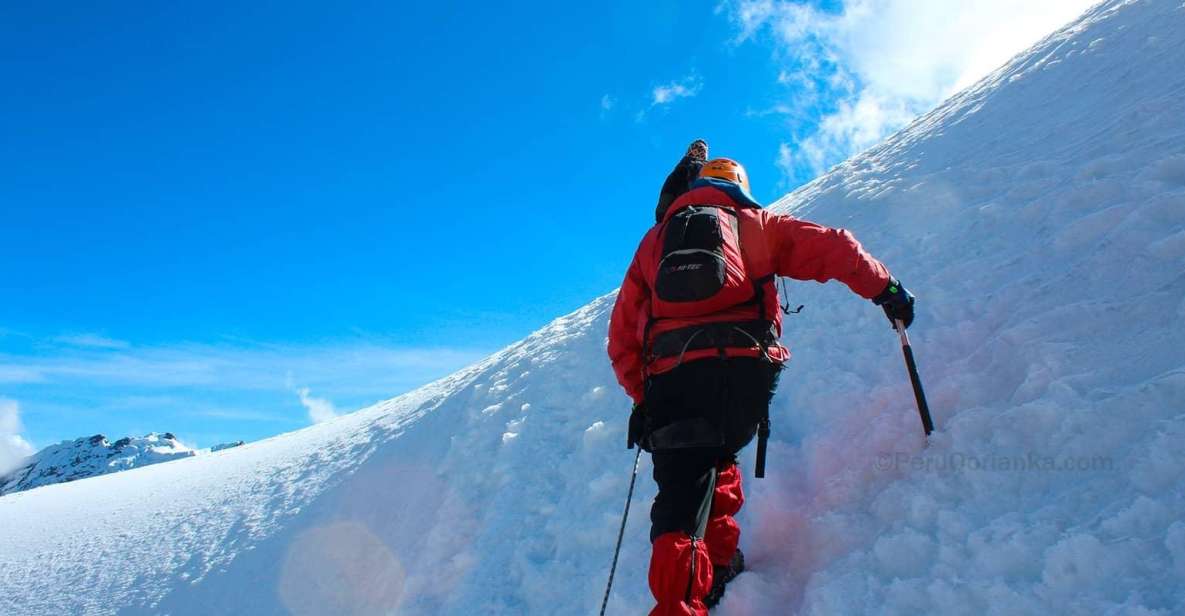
{"x":771,"y":244}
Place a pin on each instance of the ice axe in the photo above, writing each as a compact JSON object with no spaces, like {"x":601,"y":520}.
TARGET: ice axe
{"x":918,"y":392}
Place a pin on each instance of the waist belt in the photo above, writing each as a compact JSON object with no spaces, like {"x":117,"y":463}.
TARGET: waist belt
{"x":725,"y":335}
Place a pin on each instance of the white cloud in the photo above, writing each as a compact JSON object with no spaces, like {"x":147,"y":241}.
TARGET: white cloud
{"x":235,"y":381}
{"x":872,"y":68}
{"x":370,"y":366}
{"x":236,"y":414}
{"x":91,"y":340}
{"x":785,"y":160}
{"x":13,"y":448}
{"x":16,"y":373}
{"x":319,"y":409}
{"x":667,"y":93}
{"x":670,"y":92}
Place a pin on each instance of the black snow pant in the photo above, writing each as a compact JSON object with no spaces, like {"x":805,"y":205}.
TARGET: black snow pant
{"x":700,"y":415}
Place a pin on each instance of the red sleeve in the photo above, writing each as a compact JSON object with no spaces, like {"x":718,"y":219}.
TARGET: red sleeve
{"x":625,"y":345}
{"x":807,"y":251}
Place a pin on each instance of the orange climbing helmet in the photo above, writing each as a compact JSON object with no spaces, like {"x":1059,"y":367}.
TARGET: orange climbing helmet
{"x":726,"y":169}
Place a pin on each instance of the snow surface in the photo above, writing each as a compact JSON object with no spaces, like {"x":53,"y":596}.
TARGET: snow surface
{"x":1040,"y":218}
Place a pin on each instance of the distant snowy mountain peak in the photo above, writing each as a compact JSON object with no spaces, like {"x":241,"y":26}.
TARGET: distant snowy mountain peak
{"x":221,"y":446}
{"x":1039,"y":216}
{"x":90,"y":457}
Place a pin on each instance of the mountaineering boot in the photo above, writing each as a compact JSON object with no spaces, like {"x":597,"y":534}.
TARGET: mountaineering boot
{"x":722,"y":575}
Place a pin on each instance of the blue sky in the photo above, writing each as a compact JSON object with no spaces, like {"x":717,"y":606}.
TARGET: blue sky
{"x":223,"y":220}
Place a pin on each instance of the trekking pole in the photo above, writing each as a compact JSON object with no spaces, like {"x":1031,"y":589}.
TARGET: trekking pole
{"x":621,"y":532}
{"x":914,"y":379}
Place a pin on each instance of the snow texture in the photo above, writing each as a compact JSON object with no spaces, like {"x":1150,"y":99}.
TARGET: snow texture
{"x":1040,"y":218}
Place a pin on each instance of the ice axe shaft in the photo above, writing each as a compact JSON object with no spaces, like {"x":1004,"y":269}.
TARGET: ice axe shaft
{"x":914,"y":379}
{"x":762,"y":439}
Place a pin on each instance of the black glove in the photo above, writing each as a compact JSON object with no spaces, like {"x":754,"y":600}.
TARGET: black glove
{"x":681,"y":177}
{"x":637,"y":431}
{"x":897,"y":302}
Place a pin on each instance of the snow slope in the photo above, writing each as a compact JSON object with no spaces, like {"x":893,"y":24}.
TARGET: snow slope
{"x":91,"y":456}
{"x":1039,"y":216}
